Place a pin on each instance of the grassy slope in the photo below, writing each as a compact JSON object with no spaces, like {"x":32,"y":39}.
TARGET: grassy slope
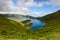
{"x":52,"y":16}
{"x":51,"y":30}
{"x":13,"y":30}
{"x":10,"y":28}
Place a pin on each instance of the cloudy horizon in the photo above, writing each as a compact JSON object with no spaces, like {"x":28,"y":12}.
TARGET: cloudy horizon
{"x":29,"y":7}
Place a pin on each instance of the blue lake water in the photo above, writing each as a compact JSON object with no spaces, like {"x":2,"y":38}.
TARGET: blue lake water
{"x":37,"y":24}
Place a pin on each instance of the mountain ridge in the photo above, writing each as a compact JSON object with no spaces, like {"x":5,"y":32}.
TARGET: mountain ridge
{"x":51,"y":31}
{"x":52,"y":16}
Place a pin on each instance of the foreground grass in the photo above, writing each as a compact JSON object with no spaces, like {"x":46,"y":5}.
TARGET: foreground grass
{"x":12,"y":30}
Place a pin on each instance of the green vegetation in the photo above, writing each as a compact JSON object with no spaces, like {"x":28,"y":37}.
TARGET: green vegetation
{"x":10,"y":28}
{"x":14,"y":30}
{"x":12,"y":15}
{"x":17,"y":16}
{"x":52,"y":28}
{"x":26,"y":21}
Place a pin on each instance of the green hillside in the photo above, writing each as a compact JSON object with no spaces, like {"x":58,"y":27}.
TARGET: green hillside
{"x":52,"y":27}
{"x":13,"y":15}
{"x":55,"y":15}
{"x":18,"y":16}
{"x":10,"y":28}
{"x":14,"y":30}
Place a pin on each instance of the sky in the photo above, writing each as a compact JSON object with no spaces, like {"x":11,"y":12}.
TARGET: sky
{"x":35,"y":8}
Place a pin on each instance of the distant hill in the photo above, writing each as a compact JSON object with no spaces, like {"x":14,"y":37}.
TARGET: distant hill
{"x":10,"y":28}
{"x":12,"y":15}
{"x":17,"y":16}
{"x":51,"y":16}
{"x":52,"y":28}
{"x":13,"y":29}
{"x":51,"y":31}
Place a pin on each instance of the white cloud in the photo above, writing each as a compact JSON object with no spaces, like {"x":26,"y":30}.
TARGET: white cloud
{"x":32,"y":3}
{"x":55,"y":2}
{"x":2,"y":4}
{"x":36,"y":14}
{"x":7,"y":6}
{"x":39,"y":14}
{"x":47,"y":3}
{"x":40,"y":4}
{"x":29,"y":3}
{"x":2,"y":12}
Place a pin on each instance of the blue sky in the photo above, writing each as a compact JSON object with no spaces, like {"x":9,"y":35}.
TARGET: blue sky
{"x":30,"y":7}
